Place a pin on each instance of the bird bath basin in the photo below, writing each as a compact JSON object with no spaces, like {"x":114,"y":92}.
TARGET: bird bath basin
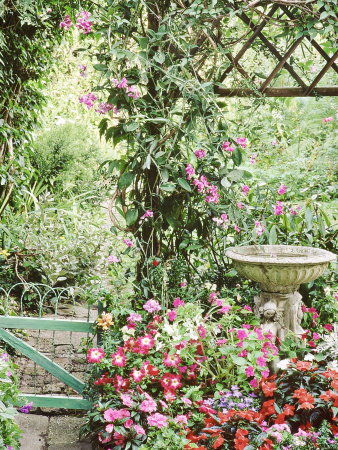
{"x":279,"y":270}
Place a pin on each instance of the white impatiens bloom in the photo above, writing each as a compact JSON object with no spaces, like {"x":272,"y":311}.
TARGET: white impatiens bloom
{"x":309,"y":357}
{"x":329,"y":346}
{"x":172,"y":330}
{"x":283,"y":364}
{"x":333,"y":365}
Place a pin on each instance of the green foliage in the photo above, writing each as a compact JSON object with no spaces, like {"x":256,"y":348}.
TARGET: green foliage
{"x":64,"y":160}
{"x":9,"y":430}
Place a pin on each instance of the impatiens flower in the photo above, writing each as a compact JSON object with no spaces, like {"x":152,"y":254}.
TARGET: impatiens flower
{"x":327,"y":119}
{"x":245,"y":189}
{"x":113,"y":259}
{"x":261,"y":361}
{"x":221,"y":341}
{"x":240,"y":205}
{"x":95,"y":355}
{"x":178,"y":302}
{"x":201,"y":331}
{"x":137,"y":375}
{"x":328,"y":327}
{"x":265,"y":373}
{"x":171,"y":360}
{"x":172,"y":315}
{"x":157,"y":420}
{"x":200,"y":153}
{"x":127,"y":400}
{"x":243,"y":354}
{"x":146,"y":342}
{"x":152,"y":306}
{"x":139,"y":429}
{"x":249,"y":371}
{"x":282,"y":189}
{"x":315,"y":336}
{"x":278,"y":208}
{"x":253,"y":383}
{"x":181,"y":418}
{"x":109,"y":428}
{"x":128,"y":242}
{"x":148,"y":214}
{"x":148,"y":406}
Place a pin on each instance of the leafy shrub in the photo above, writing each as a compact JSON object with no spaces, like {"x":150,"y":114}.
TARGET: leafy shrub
{"x":66,"y":158}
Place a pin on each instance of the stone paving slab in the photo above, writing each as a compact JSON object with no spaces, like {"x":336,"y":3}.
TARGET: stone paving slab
{"x":51,"y":432}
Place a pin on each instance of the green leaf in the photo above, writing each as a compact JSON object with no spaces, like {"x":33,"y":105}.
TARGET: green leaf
{"x":159,"y":57}
{"x":225,"y":183}
{"x":273,"y":235}
{"x":130,"y":126}
{"x":100,"y":67}
{"x":168,"y":187}
{"x":131,"y":216}
{"x":237,"y":157}
{"x":308,"y":218}
{"x":184,"y":184}
{"x":235,"y":175}
{"x":126,"y":179}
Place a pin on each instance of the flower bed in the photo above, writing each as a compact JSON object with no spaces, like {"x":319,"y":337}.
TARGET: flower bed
{"x":193,"y":378}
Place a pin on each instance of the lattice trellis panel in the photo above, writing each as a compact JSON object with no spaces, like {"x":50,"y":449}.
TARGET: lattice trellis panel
{"x":303,"y":88}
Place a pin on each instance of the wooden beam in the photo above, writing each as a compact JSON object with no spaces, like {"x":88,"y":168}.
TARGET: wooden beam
{"x":280,"y":65}
{"x":321,"y":74}
{"x":275,"y":52}
{"x":55,"y":401}
{"x":277,"y":92}
{"x":40,"y":359}
{"x":256,"y":31}
{"x":30,"y":323}
{"x":312,"y":41}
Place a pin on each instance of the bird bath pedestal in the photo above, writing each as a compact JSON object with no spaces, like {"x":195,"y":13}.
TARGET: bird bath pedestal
{"x":279,"y":270}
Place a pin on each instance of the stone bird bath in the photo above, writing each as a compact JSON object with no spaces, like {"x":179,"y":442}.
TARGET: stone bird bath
{"x":279,"y":270}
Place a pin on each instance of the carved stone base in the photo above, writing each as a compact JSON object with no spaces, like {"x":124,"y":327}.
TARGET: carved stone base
{"x":288,"y":309}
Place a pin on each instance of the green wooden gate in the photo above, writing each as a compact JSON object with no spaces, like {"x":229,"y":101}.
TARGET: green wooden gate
{"x":58,"y":309}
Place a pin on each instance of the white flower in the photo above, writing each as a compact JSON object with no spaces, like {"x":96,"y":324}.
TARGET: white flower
{"x":309,"y":357}
{"x":126,"y":330}
{"x":283,"y":364}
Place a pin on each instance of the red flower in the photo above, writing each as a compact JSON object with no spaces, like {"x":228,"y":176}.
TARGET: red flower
{"x":155,"y":263}
{"x":268,"y":445}
{"x":219,"y":441}
{"x":334,"y":384}
{"x":303,"y":365}
{"x":268,"y":388}
{"x":289,"y":410}
{"x":268,"y":408}
{"x":306,"y":405}
{"x":241,"y":441}
{"x":326,"y":396}
{"x":330,"y":373}
{"x":280,"y":418}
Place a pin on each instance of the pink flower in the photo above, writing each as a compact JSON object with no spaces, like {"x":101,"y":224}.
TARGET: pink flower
{"x":88,"y":100}
{"x":134,"y":317}
{"x":243,"y":354}
{"x":259,"y":228}
{"x":146,"y":342}
{"x":103,"y":108}
{"x":294,"y":212}
{"x":148,"y":406}
{"x":115,"y":414}
{"x":241,"y":141}
{"x":312,"y":344}
{"x":152,"y":306}
{"x":128,"y":423}
{"x":189,"y":170}
{"x":118,"y":359}
{"x":221,"y":341}
{"x":181,"y":418}
{"x":109,"y":428}
{"x":315,"y":336}
{"x":139,"y":429}
{"x":336,"y":296}
{"x":327,"y":119}
{"x":95,"y":355}
{"x":172,"y":315}
{"x":247,"y":307}
{"x":245,"y":189}
{"x":253,"y":158}
{"x":186,"y":401}
{"x":241,"y":334}
{"x":278,"y":209}
{"x":123,"y":83}
{"x":237,"y":228}
{"x":157,"y":420}
{"x":201,"y":331}
{"x":224,"y":217}
{"x":313,"y":69}
{"x":171,"y":360}
{"x":328,"y":327}
{"x":132,"y":92}
{"x":282,"y":189}
{"x":200,"y":153}
{"x":226,"y":147}
{"x":164,"y":404}
{"x":113,"y":259}
{"x":265,"y":373}
{"x":253,"y":383}
{"x":147,"y":215}
{"x":261,"y":361}
{"x":82,"y":22}
{"x":66,"y":23}
{"x":137,"y":375}
{"x":213,"y":196}
{"x":249,"y":371}
{"x":170,"y":395}
{"x":128,"y":242}
{"x":240,"y":205}
{"x":183,"y":284}
{"x":127,"y":400}
{"x":178,"y":302}
{"x":225,"y":309}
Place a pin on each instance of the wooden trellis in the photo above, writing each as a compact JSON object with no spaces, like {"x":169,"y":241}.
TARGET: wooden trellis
{"x":304,"y":89}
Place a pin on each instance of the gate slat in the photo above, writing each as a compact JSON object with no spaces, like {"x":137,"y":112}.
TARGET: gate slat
{"x":30,"y":323}
{"x":51,"y":367}
{"x":55,"y":401}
